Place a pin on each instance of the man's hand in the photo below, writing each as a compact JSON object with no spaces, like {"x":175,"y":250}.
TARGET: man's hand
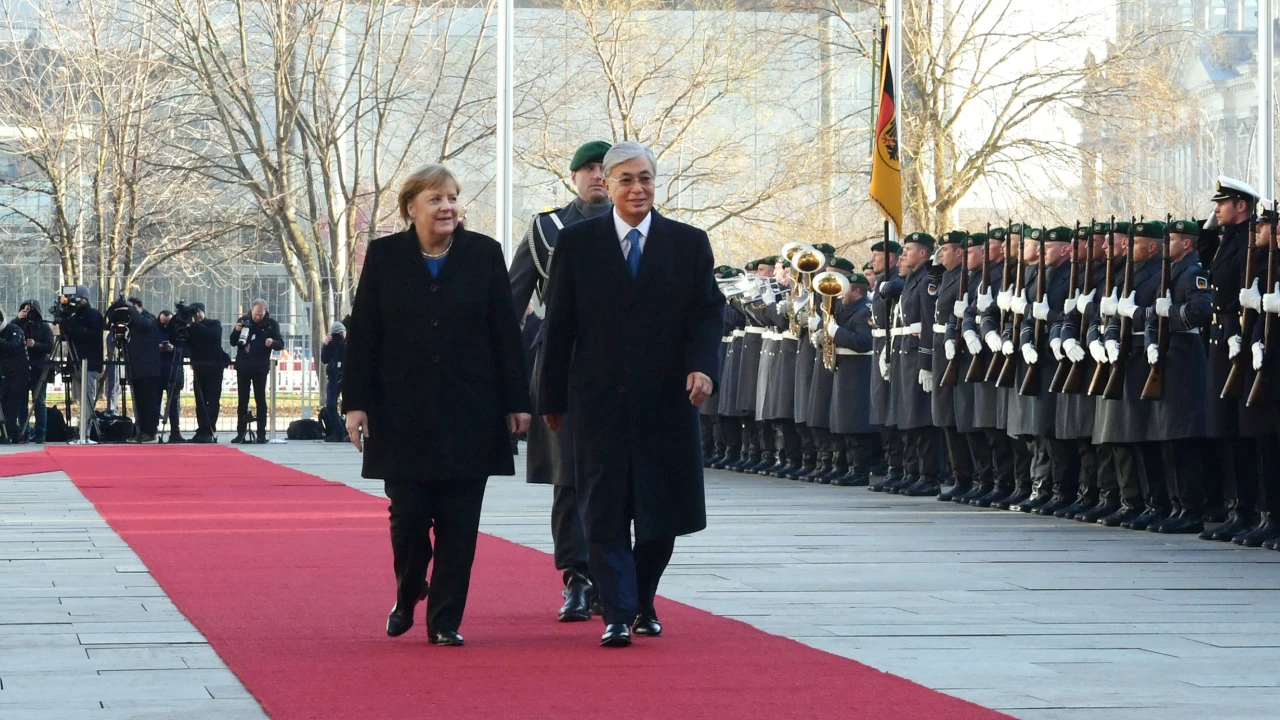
{"x":554,"y":421}
{"x":519,"y":423}
{"x":1128,"y":306}
{"x":239,"y":327}
{"x":1113,"y":351}
{"x":972,"y":342}
{"x":1029,"y":354}
{"x":166,"y":347}
{"x":1055,"y":345}
{"x":1069,"y":305}
{"x":1259,"y":354}
{"x":31,"y":343}
{"x":357,"y":423}
{"x":1004,"y":299}
{"x":1007,"y":348}
{"x":993,"y":340}
{"x":1098,"y":352}
{"x":1250,"y":297}
{"x":985,"y":300}
{"x":699,"y":388}
{"x":1153,"y":354}
{"x":1084,"y":301}
{"x":1110,"y":303}
{"x":268,"y":342}
{"x":959,"y":308}
{"x":814,"y":323}
{"x":1040,"y":310}
{"x":1233,"y":347}
{"x":926,"y":380}
{"x":832,"y":327}
{"x":883,"y":362}
{"x":1018,"y":305}
{"x":1071,"y":348}
{"x":1163,"y":306}
{"x":949,"y":349}
{"x":1271,"y":301}
{"x":327,"y":339}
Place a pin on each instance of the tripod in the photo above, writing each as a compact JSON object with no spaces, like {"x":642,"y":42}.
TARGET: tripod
{"x":173,"y":392}
{"x":64,"y":354}
{"x":118,"y":355}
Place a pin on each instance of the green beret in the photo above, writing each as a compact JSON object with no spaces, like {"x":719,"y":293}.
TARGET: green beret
{"x":727,"y":271}
{"x":1185,"y":227}
{"x":868,"y":265}
{"x":1083,"y":232}
{"x":1060,"y":234}
{"x":859,"y":279}
{"x":997,"y":233}
{"x":592,"y":152}
{"x":1122,"y":228}
{"x":841,"y":264}
{"x":1150,"y":229}
{"x":767,"y":260}
{"x":1020,"y":228}
{"x":978,"y":239}
{"x":955,"y":237}
{"x":888,"y":246}
{"x":825,"y":249}
{"x":1100,"y":227}
{"x":921,"y":238}
{"x":753,"y":265}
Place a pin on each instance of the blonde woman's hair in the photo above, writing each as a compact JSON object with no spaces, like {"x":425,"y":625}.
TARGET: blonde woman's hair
{"x":427,"y":177}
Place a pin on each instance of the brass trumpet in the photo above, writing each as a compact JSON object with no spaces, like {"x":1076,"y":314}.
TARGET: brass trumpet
{"x":806,"y":260}
{"x":831,"y":286}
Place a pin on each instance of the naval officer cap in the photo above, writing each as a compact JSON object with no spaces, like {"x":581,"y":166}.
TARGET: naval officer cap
{"x":1231,"y":189}
{"x":592,"y":152}
{"x":1266,"y":210}
{"x":888,"y":246}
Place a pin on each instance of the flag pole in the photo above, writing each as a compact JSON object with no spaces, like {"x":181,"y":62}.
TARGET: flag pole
{"x":895,"y":44}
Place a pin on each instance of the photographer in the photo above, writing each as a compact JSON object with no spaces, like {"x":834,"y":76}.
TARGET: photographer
{"x":172,"y":377}
{"x":84,"y":327}
{"x":14,"y":380}
{"x":208,"y":361}
{"x":144,"y":368}
{"x":255,"y":338}
{"x":332,"y":354}
{"x":39,"y":344}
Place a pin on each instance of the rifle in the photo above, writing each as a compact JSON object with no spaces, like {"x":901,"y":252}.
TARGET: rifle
{"x":1115,"y":383}
{"x":997,"y":359}
{"x":1234,"y":387}
{"x":889,"y":305}
{"x":1258,"y":393}
{"x":952,"y":373}
{"x":1097,"y":384}
{"x":1010,"y":365}
{"x":1063,"y":371}
{"x":1031,"y":379}
{"x":975,"y":373}
{"x":1154,"y":389}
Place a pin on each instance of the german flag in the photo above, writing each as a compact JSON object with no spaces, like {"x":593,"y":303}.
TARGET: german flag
{"x":886,"y":170}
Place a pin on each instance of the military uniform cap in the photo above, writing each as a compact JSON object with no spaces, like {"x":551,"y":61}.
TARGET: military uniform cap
{"x":1231,"y":189}
{"x":997,"y":233}
{"x":767,"y":260}
{"x":1266,"y":210}
{"x":825,"y":248}
{"x":1185,"y":227}
{"x":868,"y":265}
{"x":859,"y":279}
{"x":978,"y":239}
{"x":888,"y":246}
{"x":723,"y":269}
{"x":955,"y":237}
{"x":1149,"y":229}
{"x":1020,"y":228}
{"x":841,"y":264}
{"x":730,"y":272}
{"x":1122,"y":227}
{"x":753,"y":265}
{"x":591,"y":152}
{"x":1035,"y":233}
{"x":1084,"y":232}
{"x":1060,"y":234}
{"x":922,"y":238}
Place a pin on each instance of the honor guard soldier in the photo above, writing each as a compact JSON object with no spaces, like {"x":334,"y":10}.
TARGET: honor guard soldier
{"x":757,"y":452}
{"x":714,"y":445}
{"x":1265,"y":359}
{"x":1181,"y":362}
{"x":550,"y":455}
{"x":850,"y":330}
{"x":953,"y":258}
{"x":779,"y":407}
{"x":1014,"y":294}
{"x":729,"y":417}
{"x":884,"y":300}
{"x":991,"y":403}
{"x":913,"y":378}
{"x":813,"y":439}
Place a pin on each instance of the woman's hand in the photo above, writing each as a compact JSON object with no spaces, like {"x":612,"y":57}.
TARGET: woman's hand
{"x":357,"y":423}
{"x":519,"y":422}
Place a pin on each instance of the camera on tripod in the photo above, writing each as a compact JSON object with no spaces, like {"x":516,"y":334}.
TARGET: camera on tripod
{"x":183,"y":316}
{"x":117,"y":317}
{"x":66,"y":304}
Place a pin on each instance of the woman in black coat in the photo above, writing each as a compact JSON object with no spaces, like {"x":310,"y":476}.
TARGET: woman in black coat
{"x":434,"y":383}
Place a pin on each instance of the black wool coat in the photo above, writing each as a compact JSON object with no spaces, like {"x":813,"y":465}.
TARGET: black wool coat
{"x":850,"y":391}
{"x":618,"y":353}
{"x":435,"y":362}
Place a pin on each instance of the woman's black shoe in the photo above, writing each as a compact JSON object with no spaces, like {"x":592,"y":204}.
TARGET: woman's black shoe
{"x":446,"y":638}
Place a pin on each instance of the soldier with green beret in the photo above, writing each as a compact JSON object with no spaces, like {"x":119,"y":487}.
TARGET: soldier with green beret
{"x":856,"y":439}
{"x":885,"y":296}
{"x":952,"y":255}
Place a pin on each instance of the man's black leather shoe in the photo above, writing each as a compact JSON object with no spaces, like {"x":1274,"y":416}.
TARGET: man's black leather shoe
{"x":646,"y":625}
{"x":925,"y":487}
{"x":1236,"y":524}
{"x":1266,"y":530}
{"x":446,"y":638}
{"x":976,"y":491}
{"x":1181,"y":525}
{"x":576,"y":607}
{"x":1272,"y":544}
{"x":955,"y":492}
{"x":903,"y":483}
{"x":852,"y":479}
{"x":616,"y":635}
{"x":884,"y":484}
{"x":1082,"y":504}
{"x":1033,"y":503}
{"x":1121,"y":516}
{"x":401,"y":619}
{"x":1143,"y":521}
{"x":1054,"y":505}
{"x":1097,"y":512}
{"x":996,"y":494}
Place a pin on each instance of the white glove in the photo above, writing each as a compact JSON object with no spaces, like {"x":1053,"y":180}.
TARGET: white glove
{"x":768,"y":297}
{"x":819,"y":337}
{"x":1098,"y":352}
{"x":1250,"y":297}
{"x":1003,"y":299}
{"x":814,"y":323}
{"x":1069,"y":305}
{"x":1271,"y":301}
{"x":1040,"y":310}
{"x":1109,"y":304}
{"x":972,"y":341}
{"x":884,"y":362}
{"x":832,"y":326}
{"x":958,"y":310}
{"x":1233,"y":347}
{"x":1007,"y":347}
{"x":949,"y":349}
{"x":1128,"y":306}
{"x":1029,"y":354}
{"x":1018,"y":305}
{"x":985,"y":300}
{"x":784,"y":307}
{"x":802,"y":316}
{"x":926,"y":380}
{"x":1056,"y":346}
{"x":1164,"y":305}
{"x":993,"y":341}
{"x":1259,"y":353}
{"x":1113,"y":351}
{"x":1084,"y":301}
{"x":1153,"y":354}
{"x":1071,"y":348}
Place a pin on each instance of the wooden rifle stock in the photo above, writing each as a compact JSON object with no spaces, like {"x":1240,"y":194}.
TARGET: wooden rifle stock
{"x":1031,"y":379}
{"x":1063,"y":371}
{"x":1258,"y":393}
{"x":1099,"y":381}
{"x":1154,"y":388}
{"x":976,"y":372}
{"x":952,"y":373}
{"x":1234,"y":386}
{"x":1010,"y":365}
{"x":1115,"y":383}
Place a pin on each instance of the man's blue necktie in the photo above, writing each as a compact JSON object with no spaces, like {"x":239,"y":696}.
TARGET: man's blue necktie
{"x":633,"y":254}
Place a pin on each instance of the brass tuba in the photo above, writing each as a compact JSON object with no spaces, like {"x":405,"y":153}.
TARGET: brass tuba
{"x":831,"y":286}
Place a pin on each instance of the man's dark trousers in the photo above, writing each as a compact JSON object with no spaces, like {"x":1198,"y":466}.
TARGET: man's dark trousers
{"x":569,"y":539}
{"x":627,"y":578}
{"x":258,"y":381}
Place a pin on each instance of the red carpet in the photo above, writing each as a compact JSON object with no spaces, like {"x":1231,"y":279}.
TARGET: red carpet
{"x":289,"y":577}
{"x":26,"y":463}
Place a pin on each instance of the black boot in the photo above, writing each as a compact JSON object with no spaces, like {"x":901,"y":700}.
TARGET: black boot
{"x":1014,"y":499}
{"x":905,"y":482}
{"x":1105,"y":508}
{"x":577,"y":606}
{"x":885,"y":483}
{"x":976,"y":490}
{"x":1033,"y":503}
{"x":998,"y":492}
{"x":808,"y":463}
{"x":1185,"y":523}
{"x":1126,"y":513}
{"x":1145,"y":520}
{"x":1268,"y":529}
{"x":822,"y":468}
{"x":839,"y":468}
{"x":960,"y":488}
{"x":723,"y":462}
{"x":924,"y":487}
{"x":1085,"y":500}
{"x":1237,"y":523}
{"x":1272,"y":544}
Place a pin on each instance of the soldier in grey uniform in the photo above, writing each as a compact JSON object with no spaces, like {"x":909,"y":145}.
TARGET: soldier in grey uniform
{"x":946,"y":403}
{"x":1021,"y":445}
{"x":757,"y":449}
{"x":884,"y":299}
{"x":913,"y":375}
{"x":729,"y":417}
{"x":779,"y":409}
{"x":550,"y":455}
{"x":991,"y":403}
{"x":850,"y":402}
{"x":976,"y":400}
{"x":715,"y":446}
{"x":1179,"y":421}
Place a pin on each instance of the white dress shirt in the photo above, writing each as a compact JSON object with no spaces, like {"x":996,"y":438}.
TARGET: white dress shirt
{"x":623,"y":227}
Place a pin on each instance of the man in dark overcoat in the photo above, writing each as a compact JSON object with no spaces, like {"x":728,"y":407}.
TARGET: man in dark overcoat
{"x":633,"y":329}
{"x":884,"y":298}
{"x":944,"y":399}
{"x":850,"y":402}
{"x":913,"y":375}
